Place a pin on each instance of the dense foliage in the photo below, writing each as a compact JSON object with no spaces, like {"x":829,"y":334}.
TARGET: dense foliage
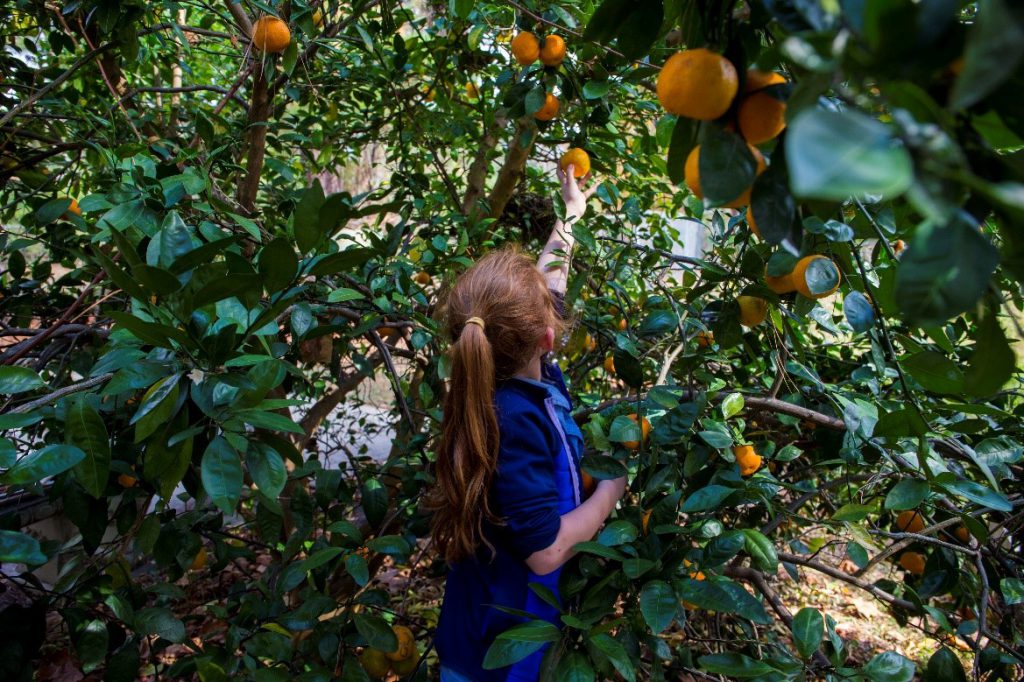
{"x":209,"y":248}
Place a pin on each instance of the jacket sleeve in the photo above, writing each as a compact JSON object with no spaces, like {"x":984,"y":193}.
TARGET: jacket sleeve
{"x":524,"y":491}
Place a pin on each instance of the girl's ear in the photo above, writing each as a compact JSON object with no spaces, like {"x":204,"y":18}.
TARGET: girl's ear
{"x":547,"y":342}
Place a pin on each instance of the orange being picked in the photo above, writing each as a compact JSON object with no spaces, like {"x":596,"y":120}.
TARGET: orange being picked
{"x":645,"y":430}
{"x":697,"y":84}
{"x":579,"y":159}
{"x":799,"y":275}
{"x":748,"y":460}
{"x":549,"y":110}
{"x":691,"y":172}
{"x":761,"y":117}
{"x":73,"y":208}
{"x":406,"y":644}
{"x":759,"y":80}
{"x":270,"y":34}
{"x":912,"y":562}
{"x":910,"y":521}
{"x":609,"y":364}
{"x":526,"y":48}
{"x":552,"y":52}
{"x":705,"y":339}
{"x":753,"y":310}
{"x":750,"y":222}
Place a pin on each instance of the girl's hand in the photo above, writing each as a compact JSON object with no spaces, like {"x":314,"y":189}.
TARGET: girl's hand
{"x":574,"y":198}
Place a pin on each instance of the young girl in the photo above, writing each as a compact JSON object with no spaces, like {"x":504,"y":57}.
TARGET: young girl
{"x":508,"y":502}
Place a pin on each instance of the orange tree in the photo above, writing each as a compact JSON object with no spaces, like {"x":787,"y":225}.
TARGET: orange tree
{"x":221,"y":220}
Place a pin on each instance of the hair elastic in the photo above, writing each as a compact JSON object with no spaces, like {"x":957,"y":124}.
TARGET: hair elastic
{"x":478,"y":322}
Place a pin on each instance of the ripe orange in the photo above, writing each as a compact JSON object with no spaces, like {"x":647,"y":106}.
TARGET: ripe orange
{"x":579,"y":159}
{"x":318,"y":18}
{"x":270,"y":34}
{"x":526,"y":48}
{"x":386,"y":331}
{"x":472,"y":92}
{"x":697,"y":84}
{"x":553,"y":51}
{"x":705,"y":339}
{"x":127,"y":481}
{"x":73,"y":208}
{"x":622,"y":324}
{"x":781,"y":284}
{"x":761,"y":117}
{"x":799,"y":276}
{"x":609,"y":364}
{"x":590,"y":343}
{"x":750,"y":222}
{"x":912,"y":562}
{"x":549,"y":110}
{"x":753,"y":310}
{"x":962,"y":534}
{"x":406,"y":665}
{"x":375,"y":663}
{"x":422,"y":278}
{"x":645,"y":521}
{"x":758,"y":80}
{"x":748,"y":460}
{"x":898,"y":246}
{"x":645,"y":430}
{"x":691,"y":173}
{"x":910,"y":521}
{"x":589,"y":484}
{"x":200,"y":561}
{"x":406,"y":644}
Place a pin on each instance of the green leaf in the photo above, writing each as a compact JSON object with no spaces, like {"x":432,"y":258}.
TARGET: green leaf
{"x":935,"y":372}
{"x":944,"y":272}
{"x":641,"y":28}
{"x":518,"y":642}
{"x":733,"y":665}
{"x":85,"y":429}
{"x":14,"y":379}
{"x":808,"y":629}
{"x":859,"y":311}
{"x":993,"y":361}
{"x":43,"y":463}
{"x":278,"y":265}
{"x":267,"y":469}
{"x":944,"y":666}
{"x":628,"y":368}
{"x":979,"y":494}
{"x":839,"y":154}
{"x":156,"y":407}
{"x":604,"y":24}
{"x":726,"y":165}
{"x":706,"y":499}
{"x":732,"y":405}
{"x":19,"y":548}
{"x":774,"y":208}
{"x":306,"y":217}
{"x":91,"y":644}
{"x":1012,"y":590}
{"x":889,"y":667}
{"x":165,"y":465}
{"x":658,"y":604}
{"x":616,"y":653}
{"x":907,"y":494}
{"x":339,"y":262}
{"x":761,"y":551}
{"x":222,"y":474}
{"x":724,"y":596}
{"x":161,"y":622}
{"x":994,"y":50}
{"x":684,"y":137}
{"x":233,"y":284}
{"x":853,"y":512}
{"x":342,"y":294}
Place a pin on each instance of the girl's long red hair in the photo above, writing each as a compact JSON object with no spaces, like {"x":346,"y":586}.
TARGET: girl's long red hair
{"x":507,"y":292}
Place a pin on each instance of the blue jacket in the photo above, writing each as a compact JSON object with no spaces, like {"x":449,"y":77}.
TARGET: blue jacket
{"x":538,"y":479}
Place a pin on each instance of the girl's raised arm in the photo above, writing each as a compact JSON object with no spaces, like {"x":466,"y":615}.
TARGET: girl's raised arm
{"x":554,"y":259}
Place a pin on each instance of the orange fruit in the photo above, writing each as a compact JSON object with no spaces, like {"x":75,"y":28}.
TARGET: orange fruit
{"x":422,"y":278}
{"x":697,"y":84}
{"x":705,"y":339}
{"x":748,"y":460}
{"x":127,"y":481}
{"x":579,"y":159}
{"x":200,"y":561}
{"x":910,"y":521}
{"x":799,"y":276}
{"x":552,"y":52}
{"x":590,"y":343}
{"x":753,"y":310}
{"x":386,"y":331}
{"x":761,"y":117}
{"x":406,"y":644}
{"x":898,"y":246}
{"x":782,"y":284}
{"x":526,"y":48}
{"x":609,"y":364}
{"x":589,"y":483}
{"x":270,"y":34}
{"x":962,"y":534}
{"x":472,"y":92}
{"x":912,"y":562}
{"x":73,"y":208}
{"x":375,"y":663}
{"x":758,"y":80}
{"x":549,"y":110}
{"x":645,"y":430}
{"x":318,"y":18}
{"x":406,"y":665}
{"x":689,"y":605}
{"x":646,"y":520}
{"x":691,"y":173}
{"x":622,"y":324}
{"x":429,"y":95}
{"x":750,"y":222}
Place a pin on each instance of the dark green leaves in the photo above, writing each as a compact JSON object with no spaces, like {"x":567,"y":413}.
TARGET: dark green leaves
{"x":161,"y":622}
{"x":49,"y":461}
{"x":706,"y":499}
{"x":376,"y":631}
{"x":726,"y":165}
{"x":306,"y":217}
{"x":835,"y":155}
{"x":736,"y":666}
{"x":519,"y":642}
{"x":935,"y":372}
{"x":944,"y":666}
{"x":993,"y":361}
{"x":773,"y":207}
{"x":995,"y":47}
{"x":761,"y":550}
{"x":684,"y":137}
{"x":14,"y":379}
{"x":222,"y":474}
{"x":808,"y":628}
{"x":658,"y":604}
{"x":156,"y":407}
{"x":889,"y":667}
{"x":944,"y":272}
{"x":906,"y":494}
{"x":278,"y":265}
{"x":85,"y":429}
{"x":19,"y":548}
{"x":640,"y":29}
{"x":859,"y":312}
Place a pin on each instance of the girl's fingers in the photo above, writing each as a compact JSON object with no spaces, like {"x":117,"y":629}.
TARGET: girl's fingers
{"x":560,"y":174}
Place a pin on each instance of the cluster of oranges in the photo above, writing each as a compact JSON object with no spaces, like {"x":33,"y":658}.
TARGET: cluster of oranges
{"x":913,"y":521}
{"x":401,"y":661}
